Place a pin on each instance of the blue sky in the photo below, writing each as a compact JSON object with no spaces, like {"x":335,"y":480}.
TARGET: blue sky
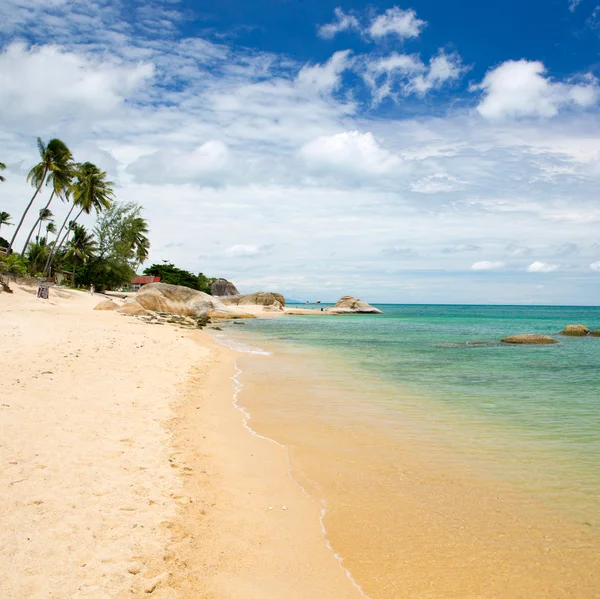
{"x":425,"y":152}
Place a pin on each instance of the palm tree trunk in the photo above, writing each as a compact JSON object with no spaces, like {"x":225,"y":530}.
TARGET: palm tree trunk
{"x":57,"y":246}
{"x":26,"y":211}
{"x":39,"y":220}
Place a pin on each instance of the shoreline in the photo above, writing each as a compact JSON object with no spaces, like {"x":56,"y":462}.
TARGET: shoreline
{"x":140,"y":477}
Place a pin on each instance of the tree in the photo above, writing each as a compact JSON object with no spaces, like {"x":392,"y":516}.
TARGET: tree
{"x":45,"y":215}
{"x":91,"y":191}
{"x":37,"y":254}
{"x":50,"y":228}
{"x":80,"y":249}
{"x":51,"y":156}
{"x":122,"y":244}
{"x":61,"y":179}
{"x":2,"y":167}
{"x":172,"y":275}
{"x":5,"y":219}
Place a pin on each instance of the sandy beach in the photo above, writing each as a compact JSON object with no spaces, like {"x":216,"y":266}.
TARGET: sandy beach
{"x":127,"y":471}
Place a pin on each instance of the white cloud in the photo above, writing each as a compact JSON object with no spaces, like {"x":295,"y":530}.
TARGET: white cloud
{"x":207,"y":164}
{"x":325,"y":78}
{"x":573,"y":4}
{"x":520,"y":88}
{"x":349,"y":153}
{"x":442,"y":69}
{"x":542,"y":267}
{"x":395,"y":21}
{"x":595,"y":266}
{"x":342,"y":22}
{"x":485,"y":265}
{"x":56,"y":83}
{"x":242,"y":251}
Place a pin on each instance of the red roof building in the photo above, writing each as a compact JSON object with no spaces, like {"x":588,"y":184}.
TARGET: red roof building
{"x":145,"y":280}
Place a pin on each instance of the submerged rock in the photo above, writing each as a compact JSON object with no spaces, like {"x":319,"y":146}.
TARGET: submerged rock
{"x":106,"y":305}
{"x":529,"y":339}
{"x":575,"y":330}
{"x":223,"y":288}
{"x":351,"y":305}
{"x":595,"y":333}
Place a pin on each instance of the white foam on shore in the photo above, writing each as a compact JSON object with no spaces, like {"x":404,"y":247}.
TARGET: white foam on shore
{"x":239,"y":346}
{"x":237,"y":388}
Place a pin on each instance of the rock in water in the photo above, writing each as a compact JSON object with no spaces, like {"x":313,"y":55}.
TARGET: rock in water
{"x":595,"y":333}
{"x":260,"y":298}
{"x":223,"y":288}
{"x":575,"y":330}
{"x":351,"y":305}
{"x":106,"y":305}
{"x":175,"y":299}
{"x":529,"y":340}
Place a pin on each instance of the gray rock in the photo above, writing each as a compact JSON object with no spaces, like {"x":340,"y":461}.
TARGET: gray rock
{"x":351,"y":305}
{"x":223,"y":288}
{"x":529,"y":340}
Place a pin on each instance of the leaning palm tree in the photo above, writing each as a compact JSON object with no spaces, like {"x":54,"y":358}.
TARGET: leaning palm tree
{"x":81,"y":247}
{"x":52,"y":155}
{"x":2,"y":167}
{"x":61,"y":179}
{"x":50,"y":228}
{"x":137,"y":239}
{"x":91,"y":191}
{"x":5,"y":219}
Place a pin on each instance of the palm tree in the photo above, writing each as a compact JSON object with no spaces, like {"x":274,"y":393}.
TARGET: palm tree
{"x":50,"y":228}
{"x":45,"y":215}
{"x":81,"y":247}
{"x":37,"y":254}
{"x":91,"y":191}
{"x":5,"y":219}
{"x":2,"y":167}
{"x":52,"y":156}
{"x":137,"y":238}
{"x":61,"y":179}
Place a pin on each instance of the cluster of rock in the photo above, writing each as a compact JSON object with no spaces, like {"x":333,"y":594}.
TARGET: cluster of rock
{"x":223,"y":288}
{"x":571,"y":330}
{"x":275,"y":301}
{"x":351,"y":305}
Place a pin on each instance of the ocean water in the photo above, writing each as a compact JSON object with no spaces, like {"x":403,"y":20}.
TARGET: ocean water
{"x":529,"y":415}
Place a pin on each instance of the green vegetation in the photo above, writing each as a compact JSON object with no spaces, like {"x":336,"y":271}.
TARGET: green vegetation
{"x":172,"y":275}
{"x":2,"y":167}
{"x":108,"y":256}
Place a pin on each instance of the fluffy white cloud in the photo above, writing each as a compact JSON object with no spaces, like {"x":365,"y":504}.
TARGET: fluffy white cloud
{"x":485,"y":265}
{"x":520,"y":88}
{"x":595,"y":266}
{"x":342,"y":22}
{"x":326,"y":77}
{"x":542,"y":267}
{"x":349,"y":153}
{"x":442,"y":69}
{"x":242,"y":251}
{"x":55,"y":83}
{"x":573,"y":4}
{"x":395,"y":21}
{"x":207,"y":164}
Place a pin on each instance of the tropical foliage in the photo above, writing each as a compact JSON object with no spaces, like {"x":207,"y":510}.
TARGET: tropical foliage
{"x":172,"y":275}
{"x":2,"y":167}
{"x":5,"y":219}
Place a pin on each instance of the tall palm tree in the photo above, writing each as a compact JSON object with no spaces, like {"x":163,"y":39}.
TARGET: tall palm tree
{"x":137,"y":237}
{"x":50,"y":228}
{"x":2,"y":167}
{"x":61,"y":179}
{"x":5,"y":219}
{"x":91,"y":191}
{"x":81,"y":247}
{"x":52,"y":155}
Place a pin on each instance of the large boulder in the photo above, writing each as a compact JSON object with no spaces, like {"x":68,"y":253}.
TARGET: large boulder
{"x":183,"y":301}
{"x":223,"y":288}
{"x":132,"y":308}
{"x":529,"y":340}
{"x":260,"y":298}
{"x":106,"y":305}
{"x":575,"y":330}
{"x":351,"y":305}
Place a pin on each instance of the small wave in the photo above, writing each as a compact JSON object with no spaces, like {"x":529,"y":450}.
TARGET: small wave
{"x":241,"y":347}
{"x":237,"y":388}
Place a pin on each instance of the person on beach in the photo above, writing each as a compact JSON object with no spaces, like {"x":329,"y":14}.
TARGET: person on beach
{"x":92,"y":289}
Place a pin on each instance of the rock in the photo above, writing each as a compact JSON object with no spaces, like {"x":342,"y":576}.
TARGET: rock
{"x":106,"y":305}
{"x":223,"y":288}
{"x":595,"y":333}
{"x":351,"y":305}
{"x":529,"y":340}
{"x":575,"y":330}
{"x":183,"y":301}
{"x":276,"y":307}
{"x":260,"y":298}
{"x":132,"y":308}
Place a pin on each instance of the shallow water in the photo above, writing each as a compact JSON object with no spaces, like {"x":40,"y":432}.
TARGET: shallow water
{"x":466,"y":437}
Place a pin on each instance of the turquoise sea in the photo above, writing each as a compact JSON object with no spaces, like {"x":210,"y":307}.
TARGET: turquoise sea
{"x":527,"y":414}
